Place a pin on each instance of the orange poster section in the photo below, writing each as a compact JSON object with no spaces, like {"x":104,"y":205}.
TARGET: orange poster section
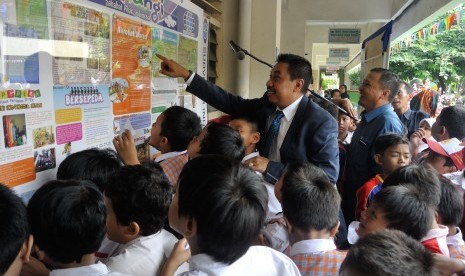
{"x":130,"y":85}
{"x":17,"y":173}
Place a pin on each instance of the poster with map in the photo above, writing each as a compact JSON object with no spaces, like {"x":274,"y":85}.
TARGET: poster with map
{"x":187,"y":55}
{"x":164,"y":43}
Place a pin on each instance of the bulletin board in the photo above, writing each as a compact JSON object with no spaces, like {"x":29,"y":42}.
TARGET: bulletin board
{"x":75,"y":74}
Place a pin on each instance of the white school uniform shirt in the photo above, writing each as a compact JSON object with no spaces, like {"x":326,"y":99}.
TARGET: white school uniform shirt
{"x":107,"y":249}
{"x":312,"y":246}
{"x":89,"y":270}
{"x":440,"y":235}
{"x":258,"y":260}
{"x":456,"y":239}
{"x":457,"y":178}
{"x":168,"y":155}
{"x":274,"y":206}
{"x":285,"y":123}
{"x":144,"y":255}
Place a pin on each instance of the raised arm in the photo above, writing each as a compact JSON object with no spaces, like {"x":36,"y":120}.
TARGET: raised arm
{"x":210,"y":93}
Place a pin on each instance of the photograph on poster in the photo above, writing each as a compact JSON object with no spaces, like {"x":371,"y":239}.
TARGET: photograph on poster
{"x":118,"y":90}
{"x":44,"y":159}
{"x":14,"y":130}
{"x":43,"y":136}
{"x":67,"y":149}
{"x":143,"y":152}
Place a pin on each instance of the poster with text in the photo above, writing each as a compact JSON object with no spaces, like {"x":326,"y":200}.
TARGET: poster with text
{"x":130,"y":84}
{"x":188,"y":52}
{"x":164,"y":43}
{"x":81,"y":118}
{"x":32,"y":15}
{"x":81,"y":44}
{"x":23,"y":111}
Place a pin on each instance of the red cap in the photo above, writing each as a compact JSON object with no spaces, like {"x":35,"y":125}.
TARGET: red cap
{"x":450,"y":148}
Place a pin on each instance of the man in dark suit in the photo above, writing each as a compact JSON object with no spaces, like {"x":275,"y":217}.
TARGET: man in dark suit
{"x":306,"y":131}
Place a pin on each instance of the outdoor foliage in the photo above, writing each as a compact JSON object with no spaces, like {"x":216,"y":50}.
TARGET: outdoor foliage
{"x":354,"y":78}
{"x":440,"y":58}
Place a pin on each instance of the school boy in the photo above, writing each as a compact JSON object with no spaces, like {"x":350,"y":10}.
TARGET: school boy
{"x":391,"y":152}
{"x":403,"y":208}
{"x":388,"y":253}
{"x":445,"y":156}
{"x":450,"y":213}
{"x":95,"y":165}
{"x":220,"y":207}
{"x":311,"y":210}
{"x":67,"y":220}
{"x":248,"y":130}
{"x":15,"y":239}
{"x":219,"y":139}
{"x":137,"y":200}
{"x":425,"y":180}
{"x":170,"y":134}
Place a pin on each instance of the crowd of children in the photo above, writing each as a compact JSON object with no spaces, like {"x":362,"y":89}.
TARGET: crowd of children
{"x":199,"y":208}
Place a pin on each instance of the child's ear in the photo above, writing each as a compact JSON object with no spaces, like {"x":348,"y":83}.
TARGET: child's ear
{"x":27,"y":248}
{"x":333,"y":231}
{"x":438,"y":217}
{"x":378,"y":159}
{"x":191,"y":228}
{"x":255,"y":137}
{"x":132,"y":230}
{"x":288,"y":225}
{"x":164,"y":141}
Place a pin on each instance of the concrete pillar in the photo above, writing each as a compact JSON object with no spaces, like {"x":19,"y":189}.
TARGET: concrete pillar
{"x":244,"y":35}
{"x":265,"y":42}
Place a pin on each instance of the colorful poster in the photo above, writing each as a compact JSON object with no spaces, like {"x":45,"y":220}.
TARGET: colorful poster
{"x":22,"y":69}
{"x":164,"y":43}
{"x":130,"y":84}
{"x":22,"y":110}
{"x":87,"y":58}
{"x":188,"y":52}
{"x":32,"y":15}
{"x":139,"y":125}
{"x":165,"y":13}
{"x":81,"y":117}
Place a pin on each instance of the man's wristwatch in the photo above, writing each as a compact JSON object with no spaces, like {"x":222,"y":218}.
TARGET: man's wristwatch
{"x":190,"y":74}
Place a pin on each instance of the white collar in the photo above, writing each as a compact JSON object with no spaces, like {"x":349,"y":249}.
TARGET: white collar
{"x":312,"y":246}
{"x":440,"y":232}
{"x":202,"y":261}
{"x":456,"y":239}
{"x":95,"y":269}
{"x":250,"y":156}
{"x":290,"y":110}
{"x":139,"y":239}
{"x":168,"y":155}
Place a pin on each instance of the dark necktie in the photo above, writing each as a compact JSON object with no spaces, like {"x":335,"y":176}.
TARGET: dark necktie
{"x":272,"y":132}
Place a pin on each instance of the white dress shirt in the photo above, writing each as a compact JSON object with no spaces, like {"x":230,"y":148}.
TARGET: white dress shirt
{"x":456,"y":239}
{"x":274,"y":206}
{"x":286,"y":120}
{"x":89,"y":270}
{"x":258,"y":260}
{"x":144,"y":255}
{"x":312,"y":246}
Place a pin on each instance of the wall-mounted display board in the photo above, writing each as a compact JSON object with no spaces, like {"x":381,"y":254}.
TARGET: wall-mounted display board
{"x":75,"y":74}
